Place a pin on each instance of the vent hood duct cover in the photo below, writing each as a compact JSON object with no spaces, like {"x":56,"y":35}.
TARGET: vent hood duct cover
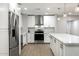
{"x":39,"y":20}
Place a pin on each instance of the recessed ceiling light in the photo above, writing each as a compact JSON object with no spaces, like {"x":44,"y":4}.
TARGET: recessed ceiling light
{"x":19,"y":8}
{"x":25,"y":8}
{"x":64,"y":15}
{"x":58,"y":18}
{"x":48,"y":8}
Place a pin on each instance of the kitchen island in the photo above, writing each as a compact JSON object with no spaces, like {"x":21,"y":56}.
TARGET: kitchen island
{"x":64,"y":44}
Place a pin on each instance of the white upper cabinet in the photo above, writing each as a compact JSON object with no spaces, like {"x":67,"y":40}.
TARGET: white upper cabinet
{"x":50,"y":21}
{"x":31,"y":21}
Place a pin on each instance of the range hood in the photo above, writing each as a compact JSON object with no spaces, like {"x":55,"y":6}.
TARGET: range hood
{"x":39,"y":20}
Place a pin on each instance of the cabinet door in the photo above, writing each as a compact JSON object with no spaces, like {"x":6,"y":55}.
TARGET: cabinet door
{"x":55,"y":46}
{"x":59,"y":48}
{"x":46,"y":38}
{"x":50,"y":41}
{"x":50,"y":21}
{"x":31,"y":21}
{"x":24,"y":39}
{"x":30,"y":38}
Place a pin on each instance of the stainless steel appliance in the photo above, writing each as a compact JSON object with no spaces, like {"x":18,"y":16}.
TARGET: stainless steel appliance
{"x":39,"y":36}
{"x":13,"y":34}
{"x":39,"y":20}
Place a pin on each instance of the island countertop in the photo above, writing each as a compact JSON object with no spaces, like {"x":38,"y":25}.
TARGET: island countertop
{"x":66,"y":38}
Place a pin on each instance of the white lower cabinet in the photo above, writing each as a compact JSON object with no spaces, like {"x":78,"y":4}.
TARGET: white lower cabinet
{"x":59,"y":48}
{"x":30,"y":38}
{"x":46,"y":38}
{"x":56,"y":46}
{"x":24,"y":38}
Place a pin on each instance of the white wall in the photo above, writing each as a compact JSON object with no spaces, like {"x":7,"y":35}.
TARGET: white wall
{"x":75,"y":27}
{"x":24,"y":28}
{"x":64,"y":25}
{"x":61,"y":25}
{"x":4,"y":35}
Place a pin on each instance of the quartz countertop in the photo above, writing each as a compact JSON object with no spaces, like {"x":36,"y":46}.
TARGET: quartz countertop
{"x":66,"y":38}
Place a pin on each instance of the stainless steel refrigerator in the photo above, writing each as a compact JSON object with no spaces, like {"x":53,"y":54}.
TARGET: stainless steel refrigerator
{"x":13,"y":34}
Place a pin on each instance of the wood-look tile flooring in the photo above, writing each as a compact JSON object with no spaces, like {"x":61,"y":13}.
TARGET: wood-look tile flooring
{"x":37,"y":50}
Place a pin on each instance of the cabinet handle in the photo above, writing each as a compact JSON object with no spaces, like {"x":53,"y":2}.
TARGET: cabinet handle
{"x":50,"y":36}
{"x":61,"y":45}
{"x":54,"y":40}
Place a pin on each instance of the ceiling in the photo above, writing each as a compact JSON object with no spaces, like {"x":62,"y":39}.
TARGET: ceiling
{"x":55,"y":8}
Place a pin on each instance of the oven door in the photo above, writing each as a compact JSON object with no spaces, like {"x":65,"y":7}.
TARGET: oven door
{"x":39,"y":37}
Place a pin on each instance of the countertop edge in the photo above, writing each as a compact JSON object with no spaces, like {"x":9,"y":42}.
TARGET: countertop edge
{"x":68,"y":44}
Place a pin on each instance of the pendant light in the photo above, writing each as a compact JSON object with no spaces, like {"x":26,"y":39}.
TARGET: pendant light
{"x":77,"y":8}
{"x":64,"y":14}
{"x":58,"y":12}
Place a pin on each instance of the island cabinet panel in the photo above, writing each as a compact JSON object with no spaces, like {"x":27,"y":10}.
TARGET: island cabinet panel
{"x":71,"y":50}
{"x":61,"y":46}
{"x":56,"y":46}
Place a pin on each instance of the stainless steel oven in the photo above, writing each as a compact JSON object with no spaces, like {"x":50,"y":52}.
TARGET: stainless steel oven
{"x":39,"y":35}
